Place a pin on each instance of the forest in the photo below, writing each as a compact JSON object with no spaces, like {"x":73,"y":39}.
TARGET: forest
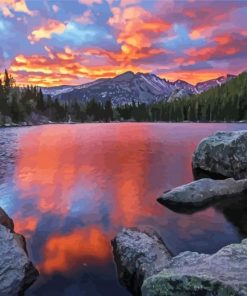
{"x":227,"y":102}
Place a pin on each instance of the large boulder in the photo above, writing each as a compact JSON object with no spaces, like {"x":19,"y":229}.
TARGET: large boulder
{"x":17,"y":272}
{"x":138,"y":255}
{"x":199,"y":193}
{"x":224,"y":154}
{"x":190,"y":273}
{"x":146,"y":267}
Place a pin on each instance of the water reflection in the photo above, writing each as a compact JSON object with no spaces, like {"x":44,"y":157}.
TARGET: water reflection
{"x":235,"y":211}
{"x":72,"y":187}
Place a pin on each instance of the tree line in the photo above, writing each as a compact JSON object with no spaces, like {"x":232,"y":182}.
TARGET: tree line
{"x":227,"y":102}
{"x":17,"y":104}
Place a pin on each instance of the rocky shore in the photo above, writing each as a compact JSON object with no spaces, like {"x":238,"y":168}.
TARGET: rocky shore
{"x":33,"y":119}
{"x":146,"y":267}
{"x":17,"y":272}
{"x":144,"y":264}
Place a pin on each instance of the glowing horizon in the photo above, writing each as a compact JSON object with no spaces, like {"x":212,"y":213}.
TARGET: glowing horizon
{"x":51,"y":43}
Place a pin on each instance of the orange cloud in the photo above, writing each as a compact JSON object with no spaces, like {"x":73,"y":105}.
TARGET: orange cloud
{"x":193,"y":76}
{"x":51,"y":27}
{"x":70,"y":66}
{"x":16,"y":6}
{"x":136,"y":27}
{"x":223,"y":39}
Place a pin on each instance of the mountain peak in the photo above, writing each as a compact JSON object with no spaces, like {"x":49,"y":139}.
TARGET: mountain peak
{"x":125,"y":76}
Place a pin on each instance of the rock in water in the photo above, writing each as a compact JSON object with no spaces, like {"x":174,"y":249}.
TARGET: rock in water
{"x":199,"y":193}
{"x":221,"y":274}
{"x":147,"y":268}
{"x":138,"y":254}
{"x":17,"y":272}
{"x":224,"y":153}
{"x":6,"y":221}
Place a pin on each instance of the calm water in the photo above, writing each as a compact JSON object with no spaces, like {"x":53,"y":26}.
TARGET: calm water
{"x":71,"y":188}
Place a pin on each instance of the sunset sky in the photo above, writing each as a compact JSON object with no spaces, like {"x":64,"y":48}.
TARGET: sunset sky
{"x":76,"y":41}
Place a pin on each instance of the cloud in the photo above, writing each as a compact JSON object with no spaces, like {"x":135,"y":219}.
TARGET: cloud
{"x":227,"y":44}
{"x":90,"y":2}
{"x":85,"y":18}
{"x":125,"y":3}
{"x":7,"y":7}
{"x":51,"y":27}
{"x":136,"y":27}
{"x":55,"y":8}
{"x":192,"y":76}
{"x":106,"y":40}
{"x":136,"y":31}
{"x":73,"y":66}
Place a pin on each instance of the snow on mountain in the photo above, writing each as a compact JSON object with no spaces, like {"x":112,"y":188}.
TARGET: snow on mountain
{"x":206,"y":85}
{"x":128,"y":87}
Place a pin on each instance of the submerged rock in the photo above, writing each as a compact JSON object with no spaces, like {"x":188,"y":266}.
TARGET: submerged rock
{"x":147,"y":268}
{"x":138,"y":255}
{"x":224,"y":153}
{"x":190,"y":273}
{"x":199,"y":193}
{"x":17,"y":272}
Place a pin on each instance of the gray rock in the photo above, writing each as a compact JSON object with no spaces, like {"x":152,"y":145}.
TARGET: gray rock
{"x":6,"y":221}
{"x":17,"y":272}
{"x":146,"y":267}
{"x":138,"y":254}
{"x":199,"y":193}
{"x":224,"y":153}
{"x":221,"y":274}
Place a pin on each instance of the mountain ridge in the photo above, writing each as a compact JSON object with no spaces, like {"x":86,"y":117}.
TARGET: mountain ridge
{"x":129,"y":86}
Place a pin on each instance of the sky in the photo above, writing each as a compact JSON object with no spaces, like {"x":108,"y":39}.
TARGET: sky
{"x":69,"y":42}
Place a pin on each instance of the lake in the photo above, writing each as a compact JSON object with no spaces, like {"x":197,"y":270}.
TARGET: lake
{"x":71,"y":188}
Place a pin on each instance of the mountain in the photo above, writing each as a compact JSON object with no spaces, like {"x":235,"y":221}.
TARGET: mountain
{"x":128,"y":87}
{"x":206,"y":85}
{"x":226,"y":102}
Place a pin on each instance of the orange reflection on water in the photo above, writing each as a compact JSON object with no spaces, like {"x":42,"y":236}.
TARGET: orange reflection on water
{"x":25,"y":225}
{"x":47,"y":169}
{"x":100,"y":176}
{"x":133,"y":160}
{"x":57,"y":160}
{"x":62,"y":252}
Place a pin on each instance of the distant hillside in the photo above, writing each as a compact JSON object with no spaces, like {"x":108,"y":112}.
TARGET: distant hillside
{"x":226,"y":102}
{"x":129,"y":87}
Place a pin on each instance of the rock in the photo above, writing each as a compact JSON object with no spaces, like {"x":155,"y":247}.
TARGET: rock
{"x":138,"y":255}
{"x":36,"y":119}
{"x":17,"y":272}
{"x":224,"y":153}
{"x":6,"y":221}
{"x":199,"y":193}
{"x":5,"y":120}
{"x":190,"y":273}
{"x":146,"y":267}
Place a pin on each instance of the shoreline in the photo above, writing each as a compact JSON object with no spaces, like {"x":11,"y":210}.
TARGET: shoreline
{"x":62,"y":123}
